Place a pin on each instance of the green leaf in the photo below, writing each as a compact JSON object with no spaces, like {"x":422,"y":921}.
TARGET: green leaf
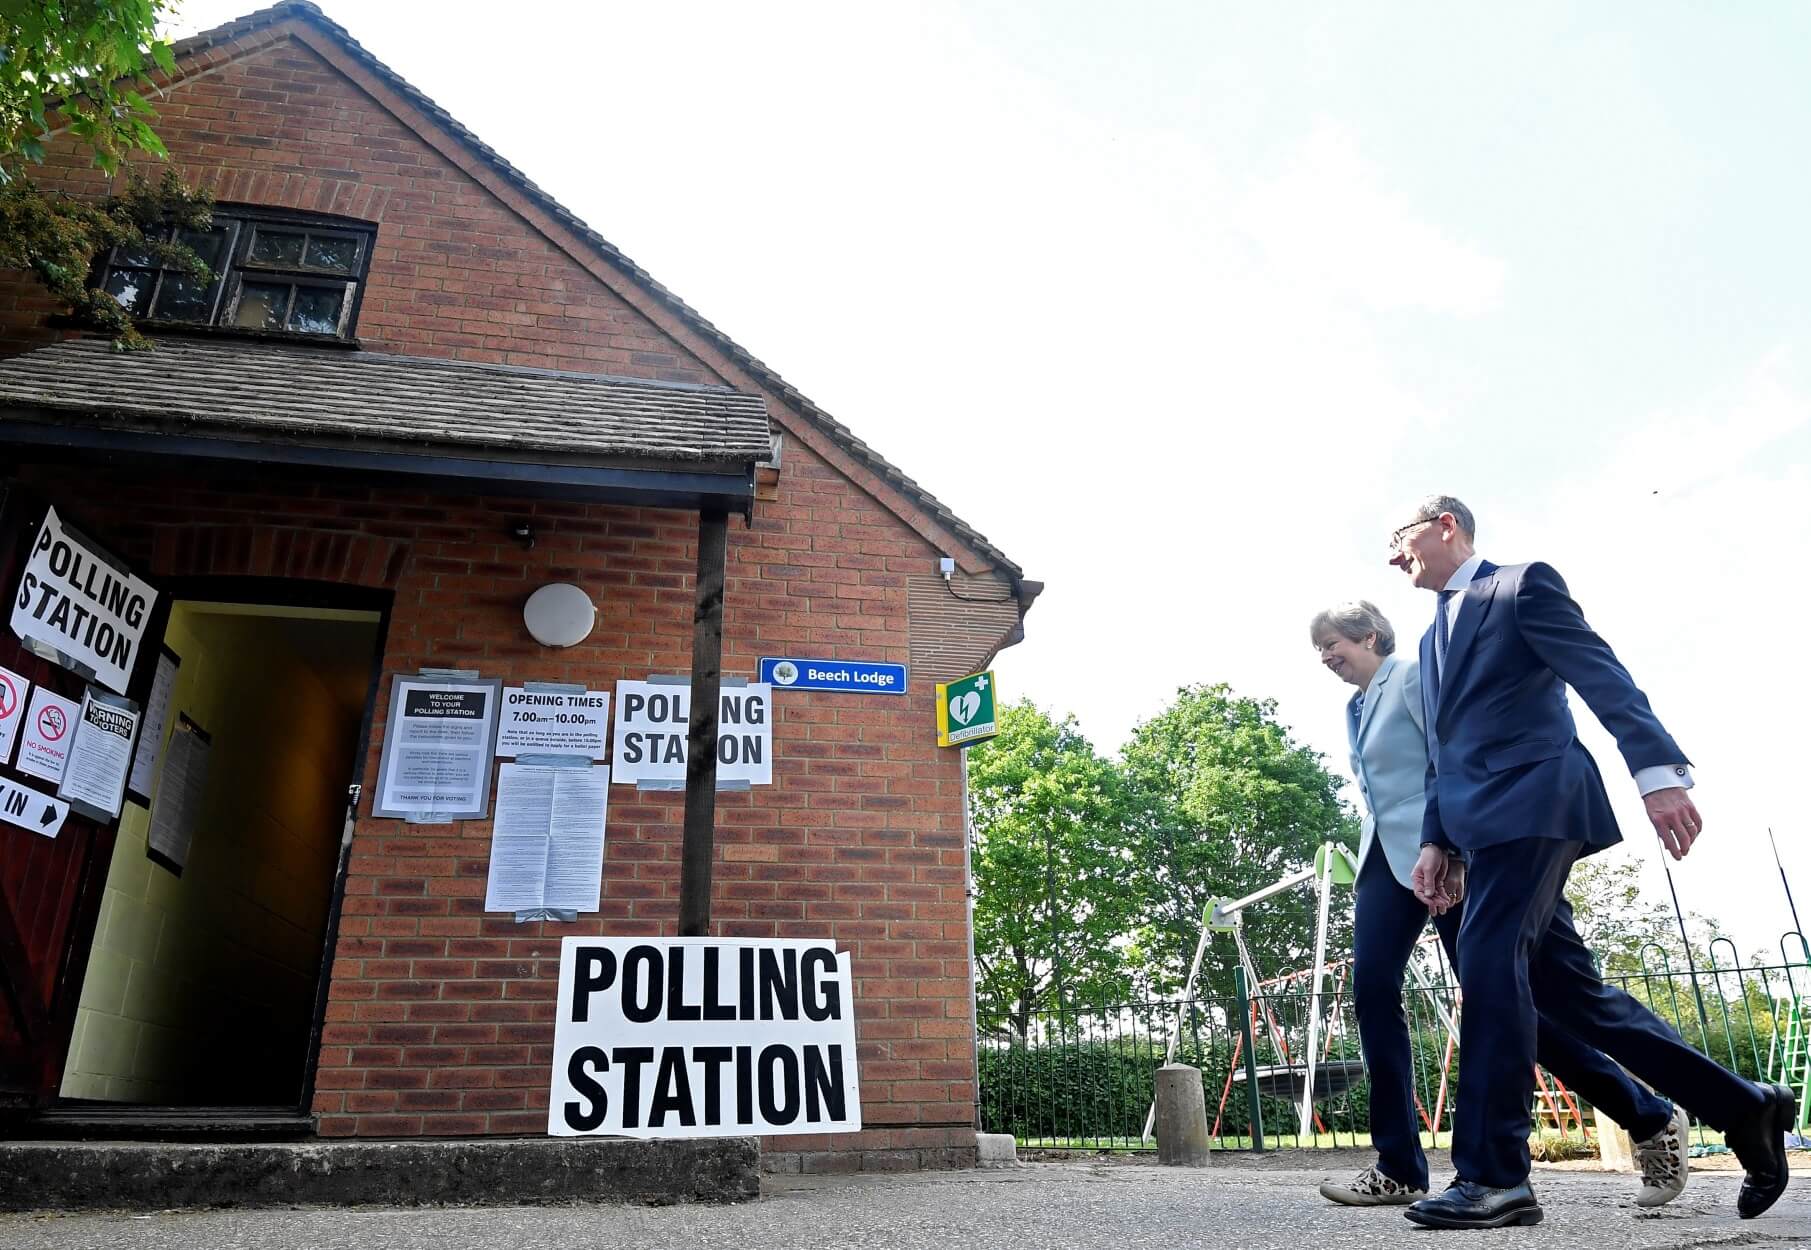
{"x":165,"y":58}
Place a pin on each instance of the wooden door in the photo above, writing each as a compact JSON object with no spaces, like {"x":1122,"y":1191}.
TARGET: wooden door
{"x":50,"y":888}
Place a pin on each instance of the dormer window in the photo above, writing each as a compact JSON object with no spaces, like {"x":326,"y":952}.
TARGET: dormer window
{"x":286,"y":274}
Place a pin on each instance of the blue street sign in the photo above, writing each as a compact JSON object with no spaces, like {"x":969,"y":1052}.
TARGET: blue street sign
{"x":854,"y":676}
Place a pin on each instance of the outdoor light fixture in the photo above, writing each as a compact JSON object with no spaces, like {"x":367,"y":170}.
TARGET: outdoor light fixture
{"x":559,"y":614}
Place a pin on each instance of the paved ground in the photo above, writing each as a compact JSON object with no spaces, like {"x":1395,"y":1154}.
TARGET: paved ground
{"x":1240,"y":1202}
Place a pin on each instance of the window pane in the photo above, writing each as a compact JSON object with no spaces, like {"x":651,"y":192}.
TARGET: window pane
{"x":261,"y":305}
{"x":183,"y":298}
{"x":205,"y":244}
{"x":330,"y":252}
{"x":273,"y":247}
{"x":131,"y":287}
{"x":317,"y":310}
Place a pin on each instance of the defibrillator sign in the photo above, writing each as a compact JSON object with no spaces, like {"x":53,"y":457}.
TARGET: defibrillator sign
{"x":966,"y":710}
{"x":74,"y":603}
{"x":703,"y":1037}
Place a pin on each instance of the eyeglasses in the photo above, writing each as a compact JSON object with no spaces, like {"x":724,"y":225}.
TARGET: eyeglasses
{"x":1403,"y":532}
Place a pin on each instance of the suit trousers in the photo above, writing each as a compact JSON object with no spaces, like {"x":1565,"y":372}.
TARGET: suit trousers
{"x":1388,"y":923}
{"x":1529,"y":981}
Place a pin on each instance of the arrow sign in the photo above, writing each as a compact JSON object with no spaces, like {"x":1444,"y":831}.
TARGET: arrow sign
{"x":31,"y":809}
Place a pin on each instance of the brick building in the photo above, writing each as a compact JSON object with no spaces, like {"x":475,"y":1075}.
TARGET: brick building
{"x":417,"y":390}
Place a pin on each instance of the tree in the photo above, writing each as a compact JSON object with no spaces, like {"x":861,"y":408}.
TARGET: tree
{"x":1228,"y":803}
{"x":1052,"y":871}
{"x":1629,"y":932}
{"x":84,"y":59}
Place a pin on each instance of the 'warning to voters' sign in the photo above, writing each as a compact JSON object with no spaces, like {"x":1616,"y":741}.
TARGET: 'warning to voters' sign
{"x":77,"y":602}
{"x":703,"y":1037}
{"x":652,"y":719}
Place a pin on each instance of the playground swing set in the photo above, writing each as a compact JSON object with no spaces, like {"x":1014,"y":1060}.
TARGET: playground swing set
{"x":1318,"y":1074}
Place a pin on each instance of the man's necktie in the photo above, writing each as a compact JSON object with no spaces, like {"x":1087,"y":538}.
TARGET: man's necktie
{"x":1441,"y":629}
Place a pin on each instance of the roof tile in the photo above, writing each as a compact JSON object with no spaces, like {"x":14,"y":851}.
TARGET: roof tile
{"x":328,"y":395}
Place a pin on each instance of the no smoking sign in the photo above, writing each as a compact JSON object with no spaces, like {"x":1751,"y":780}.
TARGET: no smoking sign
{"x":12,"y":702}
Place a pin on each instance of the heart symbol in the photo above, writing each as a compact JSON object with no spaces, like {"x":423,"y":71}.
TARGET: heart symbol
{"x":964,"y":707}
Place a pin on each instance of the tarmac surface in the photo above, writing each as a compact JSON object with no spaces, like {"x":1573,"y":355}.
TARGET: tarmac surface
{"x":1240,"y":1201}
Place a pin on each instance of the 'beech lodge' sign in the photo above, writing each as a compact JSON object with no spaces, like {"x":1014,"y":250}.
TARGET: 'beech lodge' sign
{"x":703,"y":1037}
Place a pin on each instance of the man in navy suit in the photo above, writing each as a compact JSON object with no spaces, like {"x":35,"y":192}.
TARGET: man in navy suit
{"x":1514,"y":798}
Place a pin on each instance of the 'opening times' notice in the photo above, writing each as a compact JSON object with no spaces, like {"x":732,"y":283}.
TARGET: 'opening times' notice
{"x":558,"y":722}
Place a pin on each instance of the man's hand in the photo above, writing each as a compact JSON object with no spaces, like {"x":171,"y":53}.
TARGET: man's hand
{"x":1455,"y":883}
{"x":1429,"y":878}
{"x":1675,"y":819}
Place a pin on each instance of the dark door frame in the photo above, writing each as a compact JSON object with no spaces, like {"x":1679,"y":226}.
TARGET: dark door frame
{"x":83,"y":1117}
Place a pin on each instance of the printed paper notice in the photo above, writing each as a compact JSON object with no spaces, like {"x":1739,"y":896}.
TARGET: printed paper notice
{"x":94,"y":781}
{"x":547,"y":842}
{"x":157,"y":715}
{"x":554,"y":722}
{"x":437,"y":748}
{"x":12,"y":710}
{"x":181,"y":783}
{"x":49,"y":726}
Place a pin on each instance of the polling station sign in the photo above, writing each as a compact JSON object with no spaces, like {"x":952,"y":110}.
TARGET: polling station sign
{"x":652,"y":720}
{"x":75,"y":603}
{"x":703,"y":1037}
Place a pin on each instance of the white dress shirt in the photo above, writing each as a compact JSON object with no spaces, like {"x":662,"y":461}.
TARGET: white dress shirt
{"x":1647,"y":780}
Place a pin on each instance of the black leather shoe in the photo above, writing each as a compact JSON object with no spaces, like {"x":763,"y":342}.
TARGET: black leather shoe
{"x":1467,"y":1204}
{"x":1760,"y":1144}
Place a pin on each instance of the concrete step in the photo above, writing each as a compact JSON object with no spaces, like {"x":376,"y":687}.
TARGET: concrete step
{"x":128,"y":1175}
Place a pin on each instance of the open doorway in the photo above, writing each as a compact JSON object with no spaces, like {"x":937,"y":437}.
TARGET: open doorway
{"x":203,"y":979}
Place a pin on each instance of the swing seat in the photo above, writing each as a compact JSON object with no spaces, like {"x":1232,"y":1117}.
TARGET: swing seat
{"x":1332,"y":1077}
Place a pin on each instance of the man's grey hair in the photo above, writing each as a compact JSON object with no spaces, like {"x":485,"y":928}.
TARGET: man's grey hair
{"x":1431,"y":508}
{"x":1356,"y":621}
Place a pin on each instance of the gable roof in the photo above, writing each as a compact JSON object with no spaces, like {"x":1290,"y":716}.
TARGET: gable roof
{"x":260,"y":390}
{"x":837,"y":432}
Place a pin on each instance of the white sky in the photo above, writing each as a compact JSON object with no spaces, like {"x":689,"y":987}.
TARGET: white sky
{"x":1184,"y":304}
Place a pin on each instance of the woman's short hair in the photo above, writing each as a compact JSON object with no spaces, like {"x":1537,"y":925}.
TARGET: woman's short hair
{"x":1355,"y":621}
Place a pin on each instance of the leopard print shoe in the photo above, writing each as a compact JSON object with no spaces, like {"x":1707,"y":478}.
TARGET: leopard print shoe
{"x":1371,"y":1188}
{"x":1661,"y":1159}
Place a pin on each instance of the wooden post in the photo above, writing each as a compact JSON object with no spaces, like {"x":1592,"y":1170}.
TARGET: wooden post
{"x":698,"y":851}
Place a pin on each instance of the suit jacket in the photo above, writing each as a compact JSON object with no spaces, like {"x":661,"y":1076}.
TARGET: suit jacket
{"x":1389,"y":758}
{"x":1504,"y":761}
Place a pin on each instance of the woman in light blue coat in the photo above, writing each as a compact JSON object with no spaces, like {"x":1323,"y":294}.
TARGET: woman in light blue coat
{"x":1387,"y":735}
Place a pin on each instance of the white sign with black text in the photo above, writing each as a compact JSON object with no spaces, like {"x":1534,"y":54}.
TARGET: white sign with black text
{"x":554,"y":722}
{"x":101,"y":756}
{"x":547,"y":839}
{"x":704,"y":1037}
{"x":31,"y":809}
{"x":76,"y":602}
{"x":652,"y":720}
{"x":437,"y":748}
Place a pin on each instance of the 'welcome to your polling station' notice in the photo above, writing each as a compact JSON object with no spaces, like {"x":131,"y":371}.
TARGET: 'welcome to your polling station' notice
{"x":704,"y":1037}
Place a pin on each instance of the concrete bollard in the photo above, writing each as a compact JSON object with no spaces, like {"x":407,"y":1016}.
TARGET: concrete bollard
{"x":996,"y":1150}
{"x":1181,"y":1117}
{"x":1615,"y":1152}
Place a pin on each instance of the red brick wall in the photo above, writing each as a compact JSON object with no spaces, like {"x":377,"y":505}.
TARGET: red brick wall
{"x":440,"y":1018}
{"x":455,"y":271}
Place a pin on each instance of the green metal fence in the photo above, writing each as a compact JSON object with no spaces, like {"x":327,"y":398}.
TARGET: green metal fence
{"x":1080,"y":1077}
